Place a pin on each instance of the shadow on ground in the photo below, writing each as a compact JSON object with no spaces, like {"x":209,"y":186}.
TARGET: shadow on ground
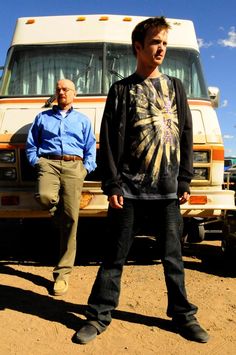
{"x":58,"y":310}
{"x":36,"y":241}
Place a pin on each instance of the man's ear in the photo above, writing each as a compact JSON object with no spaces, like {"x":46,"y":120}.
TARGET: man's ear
{"x":137,"y":46}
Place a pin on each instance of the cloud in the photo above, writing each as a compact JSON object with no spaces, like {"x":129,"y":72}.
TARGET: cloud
{"x":228,"y":136}
{"x":230,"y":41}
{"x":224,"y":103}
{"x":203,"y":44}
{"x":228,"y":150}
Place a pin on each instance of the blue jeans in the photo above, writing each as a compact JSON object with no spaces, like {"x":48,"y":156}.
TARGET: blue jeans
{"x":105,"y":293}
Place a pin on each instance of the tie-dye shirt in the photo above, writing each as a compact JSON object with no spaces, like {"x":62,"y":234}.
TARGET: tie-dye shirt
{"x":151,"y":164}
{"x":147,"y":165}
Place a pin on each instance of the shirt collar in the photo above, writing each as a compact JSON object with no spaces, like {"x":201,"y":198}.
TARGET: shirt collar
{"x":56,"y":109}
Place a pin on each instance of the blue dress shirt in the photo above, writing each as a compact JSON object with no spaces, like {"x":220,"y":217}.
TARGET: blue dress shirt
{"x":51,"y":133}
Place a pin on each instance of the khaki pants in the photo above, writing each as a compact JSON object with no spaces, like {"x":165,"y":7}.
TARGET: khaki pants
{"x":59,"y":190}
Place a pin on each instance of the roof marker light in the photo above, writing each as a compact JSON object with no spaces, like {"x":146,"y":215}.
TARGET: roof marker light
{"x":104,"y":18}
{"x":127,"y":19}
{"x":81,"y":18}
{"x":30,"y":21}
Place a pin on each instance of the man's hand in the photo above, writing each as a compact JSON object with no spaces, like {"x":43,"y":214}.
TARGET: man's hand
{"x":184,"y":198}
{"x":116,"y":201}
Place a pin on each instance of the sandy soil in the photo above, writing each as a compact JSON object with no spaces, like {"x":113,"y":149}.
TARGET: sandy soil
{"x":33,"y":322}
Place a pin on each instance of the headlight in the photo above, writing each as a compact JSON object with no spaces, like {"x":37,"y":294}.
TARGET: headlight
{"x":201,"y":156}
{"x":200,"y":173}
{"x":7,"y":156}
{"x":7,"y":174}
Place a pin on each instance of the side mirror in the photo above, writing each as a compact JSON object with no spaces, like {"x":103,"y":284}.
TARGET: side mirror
{"x":214,"y":94}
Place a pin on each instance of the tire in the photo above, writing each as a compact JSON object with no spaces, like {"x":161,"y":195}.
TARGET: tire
{"x":194,"y":231}
{"x":228,"y":243}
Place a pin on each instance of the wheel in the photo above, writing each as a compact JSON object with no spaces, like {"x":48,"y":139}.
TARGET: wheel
{"x":224,"y":247}
{"x":228,"y":246}
{"x":194,"y":231}
{"x":228,"y":243}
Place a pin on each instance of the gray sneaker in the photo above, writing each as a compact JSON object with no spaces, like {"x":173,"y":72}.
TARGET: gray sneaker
{"x":85,"y":334}
{"x":192,"y":330}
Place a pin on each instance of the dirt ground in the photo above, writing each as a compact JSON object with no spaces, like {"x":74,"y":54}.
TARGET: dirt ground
{"x":33,"y":322}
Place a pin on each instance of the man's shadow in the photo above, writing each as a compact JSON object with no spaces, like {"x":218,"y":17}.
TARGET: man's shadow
{"x":57,"y":310}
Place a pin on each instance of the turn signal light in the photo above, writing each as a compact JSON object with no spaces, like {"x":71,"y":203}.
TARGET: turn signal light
{"x":197,"y":200}
{"x":10,"y":200}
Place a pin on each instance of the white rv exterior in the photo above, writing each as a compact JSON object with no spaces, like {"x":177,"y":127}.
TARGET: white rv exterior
{"x":94,"y":51}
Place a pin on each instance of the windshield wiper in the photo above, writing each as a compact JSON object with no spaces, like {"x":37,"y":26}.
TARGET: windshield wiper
{"x":112,"y":71}
{"x":49,"y":101}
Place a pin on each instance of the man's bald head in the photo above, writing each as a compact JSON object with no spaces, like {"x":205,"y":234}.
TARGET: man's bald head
{"x":65,"y":93}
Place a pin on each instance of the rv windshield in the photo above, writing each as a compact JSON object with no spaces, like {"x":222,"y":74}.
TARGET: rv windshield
{"x":93,"y":67}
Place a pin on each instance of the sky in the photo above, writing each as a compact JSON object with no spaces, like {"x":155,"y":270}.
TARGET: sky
{"x":215,"y":25}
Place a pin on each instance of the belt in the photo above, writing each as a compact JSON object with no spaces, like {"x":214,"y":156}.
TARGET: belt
{"x":62,"y":157}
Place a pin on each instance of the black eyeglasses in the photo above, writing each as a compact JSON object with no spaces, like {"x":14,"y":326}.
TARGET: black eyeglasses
{"x":63,"y":89}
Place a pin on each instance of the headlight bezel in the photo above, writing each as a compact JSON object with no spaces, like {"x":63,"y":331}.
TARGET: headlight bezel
{"x":200,"y":173}
{"x":8,"y":173}
{"x":201,"y":156}
{"x":7,"y":156}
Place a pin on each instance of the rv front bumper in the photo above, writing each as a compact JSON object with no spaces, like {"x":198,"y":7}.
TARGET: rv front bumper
{"x":208,"y":203}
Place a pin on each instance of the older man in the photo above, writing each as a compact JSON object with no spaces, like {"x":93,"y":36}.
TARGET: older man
{"x":62,"y":147}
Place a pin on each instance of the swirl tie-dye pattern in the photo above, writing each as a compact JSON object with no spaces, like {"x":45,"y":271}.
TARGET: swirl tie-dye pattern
{"x":154,"y":147}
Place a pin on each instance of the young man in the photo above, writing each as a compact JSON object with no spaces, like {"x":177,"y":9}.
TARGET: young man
{"x":146,"y":157}
{"x":62,"y":147}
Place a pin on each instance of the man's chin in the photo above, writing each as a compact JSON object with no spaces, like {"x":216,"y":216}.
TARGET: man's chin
{"x":159,"y":60}
{"x":62,"y":101}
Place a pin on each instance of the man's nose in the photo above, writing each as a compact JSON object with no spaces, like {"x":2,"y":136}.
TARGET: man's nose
{"x":160,"y":46}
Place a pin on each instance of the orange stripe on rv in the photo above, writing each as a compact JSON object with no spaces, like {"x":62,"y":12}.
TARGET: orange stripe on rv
{"x":90,"y":99}
{"x":11,"y":146}
{"x":217,"y":152}
{"x":199,"y":103}
{"x":32,"y":101}
{"x":17,"y":101}
{"x":87,"y":99}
